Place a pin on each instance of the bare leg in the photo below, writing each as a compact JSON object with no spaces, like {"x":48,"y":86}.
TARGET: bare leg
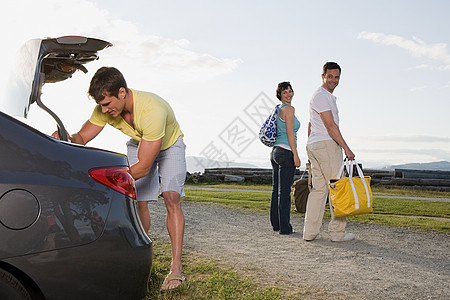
{"x":144,"y":215}
{"x":175,"y":226}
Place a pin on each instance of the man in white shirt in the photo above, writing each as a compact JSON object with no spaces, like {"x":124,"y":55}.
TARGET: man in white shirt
{"x":324,"y":148}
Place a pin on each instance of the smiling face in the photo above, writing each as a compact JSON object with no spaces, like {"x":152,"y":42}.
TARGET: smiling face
{"x":286,"y":95}
{"x":331,"y":79}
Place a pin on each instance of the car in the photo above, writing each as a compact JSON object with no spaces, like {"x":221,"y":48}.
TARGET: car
{"x":69,"y":226}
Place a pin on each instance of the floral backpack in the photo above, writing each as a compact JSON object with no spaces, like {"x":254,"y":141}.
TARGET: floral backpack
{"x":268,"y":131}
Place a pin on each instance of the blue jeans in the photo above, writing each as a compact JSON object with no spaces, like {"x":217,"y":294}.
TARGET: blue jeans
{"x":282,"y":161}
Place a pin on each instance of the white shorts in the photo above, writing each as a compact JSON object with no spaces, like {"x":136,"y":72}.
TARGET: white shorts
{"x":169,"y":168}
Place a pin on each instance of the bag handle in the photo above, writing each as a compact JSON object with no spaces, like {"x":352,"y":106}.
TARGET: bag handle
{"x":308,"y":168}
{"x":345,"y":164}
{"x":361,"y":175}
{"x":349,"y":167}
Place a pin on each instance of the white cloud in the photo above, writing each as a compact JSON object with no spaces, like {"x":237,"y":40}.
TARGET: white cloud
{"x":156,"y":57}
{"x":415,"y":46}
{"x":418,"y":88}
{"x":422,"y":66}
{"x":171,"y":58}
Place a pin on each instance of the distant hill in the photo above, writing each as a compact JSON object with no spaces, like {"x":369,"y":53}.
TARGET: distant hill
{"x":199,"y":164}
{"x":437,"y":166}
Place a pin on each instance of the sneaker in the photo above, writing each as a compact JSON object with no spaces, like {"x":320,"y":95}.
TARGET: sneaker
{"x":347,"y":237}
{"x":292,"y":232}
{"x":317,"y":237}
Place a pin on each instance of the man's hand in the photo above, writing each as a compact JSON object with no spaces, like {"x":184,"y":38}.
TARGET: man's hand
{"x":349,"y":154}
{"x":56,"y":135}
{"x":82,"y":137}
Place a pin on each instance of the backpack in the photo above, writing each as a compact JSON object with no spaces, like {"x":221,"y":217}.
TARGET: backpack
{"x":268,"y":131}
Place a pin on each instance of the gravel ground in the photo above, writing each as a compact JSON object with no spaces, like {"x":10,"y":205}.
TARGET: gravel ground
{"x":381,"y":263}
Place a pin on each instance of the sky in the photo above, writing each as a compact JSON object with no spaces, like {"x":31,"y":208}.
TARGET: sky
{"x":218,"y":64}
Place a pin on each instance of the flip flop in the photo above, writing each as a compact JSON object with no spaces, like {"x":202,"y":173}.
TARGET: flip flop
{"x":180,"y":277}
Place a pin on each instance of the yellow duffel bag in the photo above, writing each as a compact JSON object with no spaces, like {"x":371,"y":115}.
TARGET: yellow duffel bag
{"x":351,"y":195}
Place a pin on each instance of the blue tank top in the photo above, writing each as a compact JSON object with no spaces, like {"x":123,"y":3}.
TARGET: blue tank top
{"x":282,"y":139}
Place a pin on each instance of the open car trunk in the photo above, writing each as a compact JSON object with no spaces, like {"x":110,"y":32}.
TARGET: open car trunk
{"x":41,"y":61}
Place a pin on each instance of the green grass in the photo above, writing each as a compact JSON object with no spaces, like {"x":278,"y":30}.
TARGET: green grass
{"x":409,"y":207}
{"x":418,"y":214}
{"x":243,"y":185}
{"x":378,"y":190}
{"x":208,"y":279}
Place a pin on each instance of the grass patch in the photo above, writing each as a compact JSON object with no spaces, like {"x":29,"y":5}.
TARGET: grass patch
{"x":380,"y":190}
{"x":234,"y":185}
{"x":376,"y":189}
{"x":419,"y":214}
{"x":208,"y":279}
{"x":410,"y":207}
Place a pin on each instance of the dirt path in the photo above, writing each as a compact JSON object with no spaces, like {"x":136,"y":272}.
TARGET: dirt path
{"x":382,"y":263}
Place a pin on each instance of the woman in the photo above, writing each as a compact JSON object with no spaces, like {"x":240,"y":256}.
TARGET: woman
{"x":284,"y":159}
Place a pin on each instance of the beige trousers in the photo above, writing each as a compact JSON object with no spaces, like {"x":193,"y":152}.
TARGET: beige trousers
{"x":326,"y":160}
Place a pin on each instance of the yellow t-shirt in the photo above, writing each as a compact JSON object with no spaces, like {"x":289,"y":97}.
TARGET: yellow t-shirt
{"x":153,"y":119}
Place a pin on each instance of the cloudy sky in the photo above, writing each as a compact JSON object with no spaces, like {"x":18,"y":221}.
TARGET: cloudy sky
{"x":218,"y":64}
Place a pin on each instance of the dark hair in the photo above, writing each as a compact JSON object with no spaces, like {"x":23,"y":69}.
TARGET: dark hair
{"x":283,"y":86}
{"x":330,"y":66}
{"x":106,"y":81}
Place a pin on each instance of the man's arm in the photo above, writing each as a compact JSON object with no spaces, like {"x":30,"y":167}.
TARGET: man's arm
{"x":147,"y":152}
{"x":335,"y":133}
{"x":87,"y":132}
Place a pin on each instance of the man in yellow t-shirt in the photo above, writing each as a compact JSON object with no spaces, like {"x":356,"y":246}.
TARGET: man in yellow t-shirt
{"x":156,"y":151}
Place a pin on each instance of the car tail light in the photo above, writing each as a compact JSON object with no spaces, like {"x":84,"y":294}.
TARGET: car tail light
{"x":117,"y":178}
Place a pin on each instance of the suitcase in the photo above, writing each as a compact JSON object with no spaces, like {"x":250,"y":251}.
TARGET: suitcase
{"x":302,"y":187}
